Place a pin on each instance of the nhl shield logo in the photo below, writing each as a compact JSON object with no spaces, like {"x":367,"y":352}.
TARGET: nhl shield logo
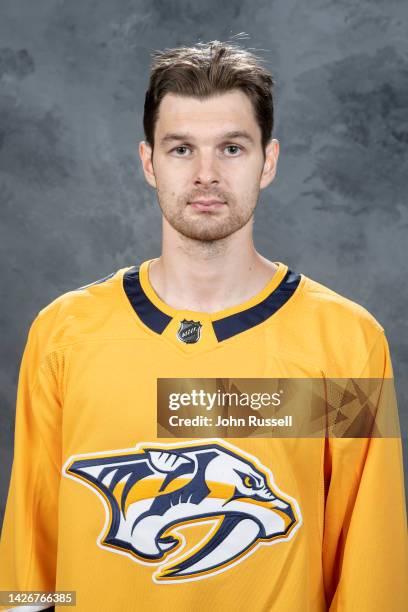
{"x":189,"y":331}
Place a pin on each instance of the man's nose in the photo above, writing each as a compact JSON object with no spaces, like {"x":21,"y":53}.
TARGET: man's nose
{"x":206,"y":170}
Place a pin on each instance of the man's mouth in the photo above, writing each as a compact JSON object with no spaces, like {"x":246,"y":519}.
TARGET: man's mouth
{"x":207,"y":205}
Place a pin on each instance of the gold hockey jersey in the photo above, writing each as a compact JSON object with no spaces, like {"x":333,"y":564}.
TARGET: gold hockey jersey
{"x":102,"y":504}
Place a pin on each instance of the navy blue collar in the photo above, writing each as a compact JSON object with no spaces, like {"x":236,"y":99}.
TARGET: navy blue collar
{"x":224,"y":328}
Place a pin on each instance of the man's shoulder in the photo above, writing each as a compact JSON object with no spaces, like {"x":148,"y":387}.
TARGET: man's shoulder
{"x":70,"y":315}
{"x":334,"y":331}
{"x":80,"y":297}
{"x":332,"y":306}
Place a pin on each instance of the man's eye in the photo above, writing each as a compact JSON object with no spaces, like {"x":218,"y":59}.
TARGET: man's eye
{"x":236,"y":147}
{"x":180,"y":150}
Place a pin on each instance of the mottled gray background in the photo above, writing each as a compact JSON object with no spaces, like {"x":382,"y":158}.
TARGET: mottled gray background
{"x":74,"y":204}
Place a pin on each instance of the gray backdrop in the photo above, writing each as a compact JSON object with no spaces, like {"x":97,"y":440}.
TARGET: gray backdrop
{"x":74,"y":204}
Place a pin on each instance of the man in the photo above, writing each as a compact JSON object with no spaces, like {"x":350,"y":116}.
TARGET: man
{"x":107,"y":497}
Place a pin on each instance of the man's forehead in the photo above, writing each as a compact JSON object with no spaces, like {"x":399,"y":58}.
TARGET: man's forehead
{"x":215,"y":117}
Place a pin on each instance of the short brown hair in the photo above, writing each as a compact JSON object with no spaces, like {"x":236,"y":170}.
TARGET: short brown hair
{"x":207,"y":69}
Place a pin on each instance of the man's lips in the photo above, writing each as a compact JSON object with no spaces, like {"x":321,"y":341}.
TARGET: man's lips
{"x":207,"y":204}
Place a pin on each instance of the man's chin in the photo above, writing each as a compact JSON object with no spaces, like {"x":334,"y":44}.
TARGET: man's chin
{"x":204,"y":236}
{"x":208,"y":234}
{"x":204,"y":226}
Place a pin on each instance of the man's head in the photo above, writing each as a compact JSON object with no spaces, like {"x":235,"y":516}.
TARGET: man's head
{"x":208,"y":123}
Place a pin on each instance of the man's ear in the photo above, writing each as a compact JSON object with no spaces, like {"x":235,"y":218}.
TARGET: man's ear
{"x":271,"y":162}
{"x":145,"y":152}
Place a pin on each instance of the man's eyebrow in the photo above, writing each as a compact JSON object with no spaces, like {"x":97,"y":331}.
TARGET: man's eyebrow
{"x":226,"y":136}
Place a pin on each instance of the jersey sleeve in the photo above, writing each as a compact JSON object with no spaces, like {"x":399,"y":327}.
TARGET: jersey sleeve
{"x":365,"y":542}
{"x":28,"y":541}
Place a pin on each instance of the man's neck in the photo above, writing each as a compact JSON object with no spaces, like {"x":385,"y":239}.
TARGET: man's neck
{"x":212,"y":283}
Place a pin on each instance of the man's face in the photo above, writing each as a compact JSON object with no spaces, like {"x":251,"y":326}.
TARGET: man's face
{"x":208,"y":150}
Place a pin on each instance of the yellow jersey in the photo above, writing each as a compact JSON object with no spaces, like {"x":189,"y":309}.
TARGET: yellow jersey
{"x":102,"y":505}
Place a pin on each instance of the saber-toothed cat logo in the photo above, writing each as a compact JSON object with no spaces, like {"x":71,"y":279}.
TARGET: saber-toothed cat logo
{"x":155,"y":494}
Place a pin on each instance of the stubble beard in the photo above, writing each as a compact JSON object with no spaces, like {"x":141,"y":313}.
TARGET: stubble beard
{"x":207,"y":226}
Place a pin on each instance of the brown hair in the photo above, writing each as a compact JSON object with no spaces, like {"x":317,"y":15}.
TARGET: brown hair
{"x":207,"y":69}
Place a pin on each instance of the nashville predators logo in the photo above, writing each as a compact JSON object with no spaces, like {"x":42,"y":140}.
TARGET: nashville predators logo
{"x":191,"y":509}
